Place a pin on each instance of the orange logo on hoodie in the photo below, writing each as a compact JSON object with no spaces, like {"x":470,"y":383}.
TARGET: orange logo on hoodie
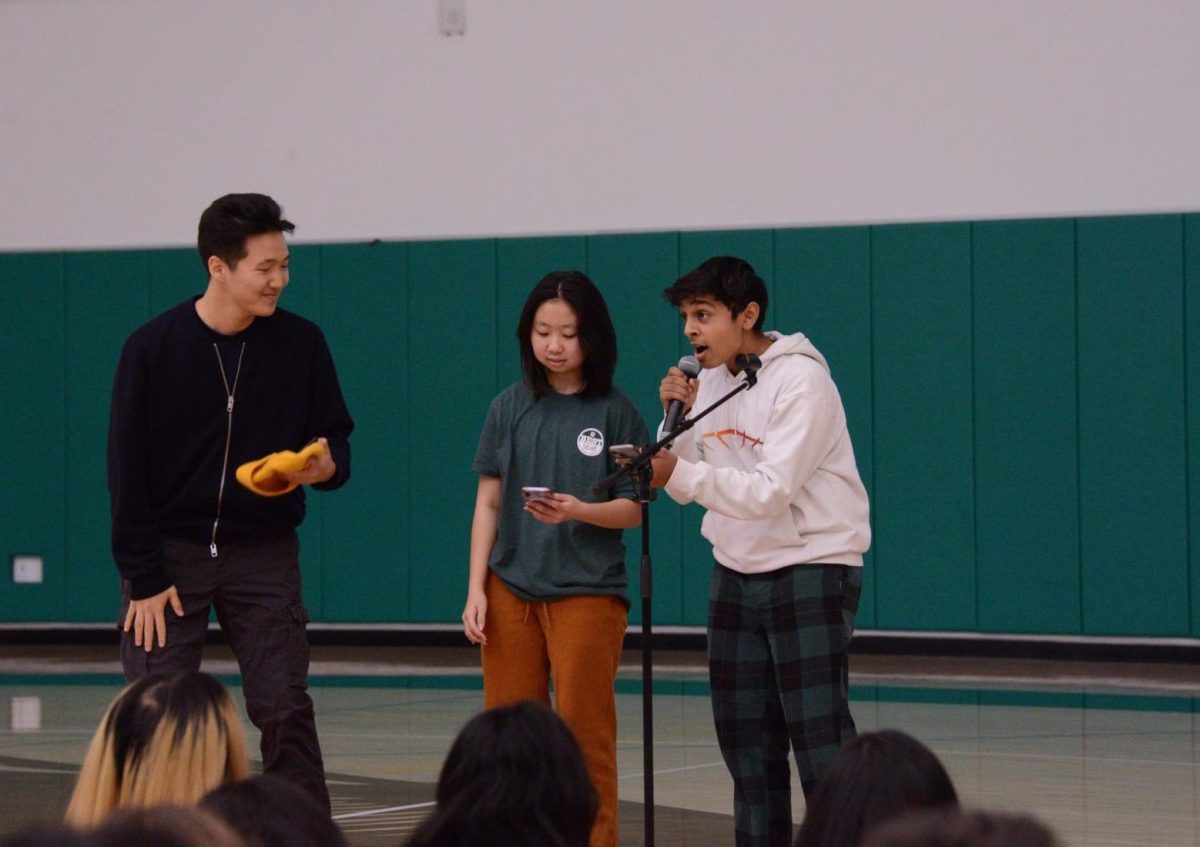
{"x":721,"y":434}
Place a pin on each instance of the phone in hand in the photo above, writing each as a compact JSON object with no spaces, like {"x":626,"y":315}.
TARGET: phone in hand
{"x":623,"y":451}
{"x":537,"y":492}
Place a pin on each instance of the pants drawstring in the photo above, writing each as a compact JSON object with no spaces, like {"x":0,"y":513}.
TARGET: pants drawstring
{"x":542,"y":611}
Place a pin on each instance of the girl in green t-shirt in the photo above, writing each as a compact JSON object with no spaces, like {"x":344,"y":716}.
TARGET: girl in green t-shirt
{"x":546,"y":592}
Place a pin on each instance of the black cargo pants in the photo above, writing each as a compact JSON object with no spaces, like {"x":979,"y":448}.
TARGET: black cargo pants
{"x":255,"y":587}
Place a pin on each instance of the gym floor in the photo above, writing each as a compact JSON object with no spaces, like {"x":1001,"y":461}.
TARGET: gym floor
{"x":1107,"y":753}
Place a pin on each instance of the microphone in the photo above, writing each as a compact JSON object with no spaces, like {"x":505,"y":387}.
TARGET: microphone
{"x":690,"y":366}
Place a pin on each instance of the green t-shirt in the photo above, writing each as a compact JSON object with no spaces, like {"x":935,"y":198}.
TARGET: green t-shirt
{"x":560,"y":442}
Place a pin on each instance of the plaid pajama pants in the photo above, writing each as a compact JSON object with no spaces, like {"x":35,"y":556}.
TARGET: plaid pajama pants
{"x":778,"y":671}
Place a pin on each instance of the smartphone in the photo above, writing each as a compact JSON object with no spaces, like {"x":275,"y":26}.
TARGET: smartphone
{"x":537,"y":492}
{"x":623,"y":451}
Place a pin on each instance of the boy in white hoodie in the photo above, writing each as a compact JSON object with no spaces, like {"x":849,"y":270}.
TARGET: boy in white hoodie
{"x":787,"y":517}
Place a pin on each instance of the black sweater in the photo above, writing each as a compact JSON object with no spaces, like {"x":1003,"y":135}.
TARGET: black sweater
{"x":169,"y":425}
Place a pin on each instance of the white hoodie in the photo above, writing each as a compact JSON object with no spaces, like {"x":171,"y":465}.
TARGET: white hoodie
{"x":774,"y":466}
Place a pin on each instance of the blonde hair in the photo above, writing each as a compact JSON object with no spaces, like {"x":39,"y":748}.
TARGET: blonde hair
{"x":165,"y":739}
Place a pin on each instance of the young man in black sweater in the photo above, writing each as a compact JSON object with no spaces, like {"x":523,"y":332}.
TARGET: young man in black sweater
{"x":223,"y":379}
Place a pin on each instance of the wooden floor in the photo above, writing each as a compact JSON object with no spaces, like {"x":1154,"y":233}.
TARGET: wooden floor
{"x":1107,"y":753}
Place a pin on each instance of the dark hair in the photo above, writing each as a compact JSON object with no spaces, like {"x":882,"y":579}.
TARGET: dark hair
{"x":270,"y":811}
{"x":163,"y":826}
{"x":515,"y":776}
{"x":230,"y":220}
{"x":962,"y":829}
{"x":726,"y":279}
{"x":873,"y":778}
{"x":597,"y":338}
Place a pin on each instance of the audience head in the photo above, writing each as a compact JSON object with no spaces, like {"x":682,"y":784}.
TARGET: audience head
{"x":514,"y":776}
{"x":874,"y":777}
{"x":163,"y":826}
{"x":962,"y":829}
{"x":165,"y":739}
{"x":269,"y":811}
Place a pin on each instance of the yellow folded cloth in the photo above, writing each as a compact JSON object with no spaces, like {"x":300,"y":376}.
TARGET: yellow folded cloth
{"x":262,"y":476}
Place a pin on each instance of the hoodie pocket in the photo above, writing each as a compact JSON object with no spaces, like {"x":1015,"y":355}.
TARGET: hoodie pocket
{"x":752,"y":542}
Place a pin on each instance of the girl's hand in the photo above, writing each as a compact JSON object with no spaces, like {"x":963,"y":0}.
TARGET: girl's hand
{"x":474,"y":617}
{"x":564,"y":507}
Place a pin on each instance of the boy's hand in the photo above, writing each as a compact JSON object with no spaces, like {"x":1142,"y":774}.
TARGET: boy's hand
{"x":677,"y":386}
{"x":149,"y":615}
{"x":664,"y":462}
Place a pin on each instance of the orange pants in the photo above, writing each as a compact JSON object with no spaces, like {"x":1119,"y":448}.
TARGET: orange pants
{"x":576,"y":641}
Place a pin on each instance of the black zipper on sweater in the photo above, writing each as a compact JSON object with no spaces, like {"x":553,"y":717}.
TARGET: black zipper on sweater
{"x":229,"y":392}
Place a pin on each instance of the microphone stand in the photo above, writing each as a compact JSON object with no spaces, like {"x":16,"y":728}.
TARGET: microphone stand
{"x":640,"y":470}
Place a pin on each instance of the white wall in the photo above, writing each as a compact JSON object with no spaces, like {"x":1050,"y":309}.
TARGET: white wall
{"x":121,"y":119}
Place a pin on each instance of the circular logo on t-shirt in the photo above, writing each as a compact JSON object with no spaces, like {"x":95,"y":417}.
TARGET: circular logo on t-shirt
{"x":590,"y":442}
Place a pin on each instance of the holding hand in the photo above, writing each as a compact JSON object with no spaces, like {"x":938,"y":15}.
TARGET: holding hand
{"x":555,"y":509}
{"x":318,"y":469}
{"x":676,"y":385}
{"x":664,"y":462}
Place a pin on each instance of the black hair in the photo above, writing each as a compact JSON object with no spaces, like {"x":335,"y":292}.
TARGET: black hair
{"x":514,"y":776}
{"x":962,"y":829}
{"x":163,"y":826}
{"x":597,"y":337}
{"x":873,"y":778}
{"x":726,"y":279}
{"x":270,"y":811}
{"x":230,"y":220}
